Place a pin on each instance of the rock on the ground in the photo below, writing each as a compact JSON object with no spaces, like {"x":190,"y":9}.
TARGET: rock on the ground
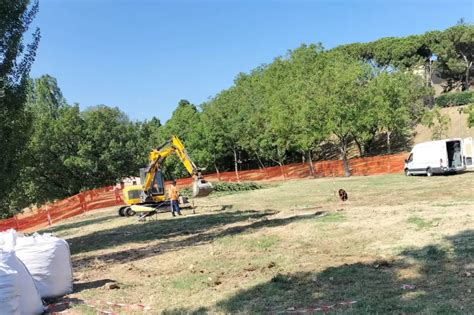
{"x":111,"y":286}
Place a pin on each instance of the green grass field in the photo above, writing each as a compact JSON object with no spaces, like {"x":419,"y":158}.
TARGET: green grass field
{"x":288,"y":247}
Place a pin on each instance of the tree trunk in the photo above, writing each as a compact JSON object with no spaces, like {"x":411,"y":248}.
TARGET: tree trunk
{"x":311,"y":166}
{"x":359,"y":147}
{"x":467,"y":83}
{"x":281,"y":159}
{"x":282,"y":170}
{"x":368,"y":146}
{"x":345,"y":163}
{"x":217,"y":171}
{"x":429,"y":73}
{"x":236,"y":166}
{"x":239,"y":164}
{"x":389,"y":148}
{"x":260,"y":164}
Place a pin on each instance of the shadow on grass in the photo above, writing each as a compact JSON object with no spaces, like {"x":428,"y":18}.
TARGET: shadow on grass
{"x":441,"y":279}
{"x":75,"y":225}
{"x":60,"y":305}
{"x":160,"y":229}
{"x":81,"y":286}
{"x":195,"y":230}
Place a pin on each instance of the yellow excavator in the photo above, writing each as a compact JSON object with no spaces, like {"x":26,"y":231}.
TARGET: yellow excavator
{"x":150,"y":198}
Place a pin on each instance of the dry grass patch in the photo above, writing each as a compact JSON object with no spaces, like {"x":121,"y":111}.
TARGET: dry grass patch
{"x":287,"y":247}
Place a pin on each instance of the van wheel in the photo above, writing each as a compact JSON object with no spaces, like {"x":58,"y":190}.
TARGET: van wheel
{"x":429,"y":172}
{"x":407,"y":172}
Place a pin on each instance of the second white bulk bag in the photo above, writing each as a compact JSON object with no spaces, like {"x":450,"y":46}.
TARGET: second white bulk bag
{"x":48,"y":260}
{"x":30,"y":299}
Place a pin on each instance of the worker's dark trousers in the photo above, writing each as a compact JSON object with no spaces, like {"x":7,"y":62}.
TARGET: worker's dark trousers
{"x":175,"y":207}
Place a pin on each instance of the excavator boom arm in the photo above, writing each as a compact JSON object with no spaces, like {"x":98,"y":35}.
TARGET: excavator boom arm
{"x":184,"y":157}
{"x":157,"y":157}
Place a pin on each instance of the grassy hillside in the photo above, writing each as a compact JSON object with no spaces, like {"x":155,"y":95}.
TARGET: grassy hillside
{"x":457,"y":129}
{"x":400,"y":245}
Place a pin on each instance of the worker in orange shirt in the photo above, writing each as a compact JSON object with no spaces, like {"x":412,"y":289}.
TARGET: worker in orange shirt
{"x":174,"y":195}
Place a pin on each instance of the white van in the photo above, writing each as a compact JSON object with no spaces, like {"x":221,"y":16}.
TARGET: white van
{"x":438,"y":157}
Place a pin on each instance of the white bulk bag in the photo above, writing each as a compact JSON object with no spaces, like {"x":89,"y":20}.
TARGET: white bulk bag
{"x":29,"y":298}
{"x":9,"y":290}
{"x":48,"y":260}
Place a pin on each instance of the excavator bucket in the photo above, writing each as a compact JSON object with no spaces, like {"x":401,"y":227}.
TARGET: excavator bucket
{"x":202,"y":188}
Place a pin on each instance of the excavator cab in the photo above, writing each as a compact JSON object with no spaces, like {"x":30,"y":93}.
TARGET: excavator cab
{"x":157,"y":187}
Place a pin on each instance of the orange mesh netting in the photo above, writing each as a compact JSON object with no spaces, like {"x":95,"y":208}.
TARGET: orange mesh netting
{"x":108,"y":196}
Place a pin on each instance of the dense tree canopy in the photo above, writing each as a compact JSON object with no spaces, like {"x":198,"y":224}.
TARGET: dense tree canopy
{"x":447,"y":53}
{"x":16,"y":58}
{"x":70,"y":150}
{"x":455,"y":50}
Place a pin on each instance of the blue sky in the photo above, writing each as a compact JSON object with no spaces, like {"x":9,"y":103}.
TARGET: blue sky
{"x":143,"y":56}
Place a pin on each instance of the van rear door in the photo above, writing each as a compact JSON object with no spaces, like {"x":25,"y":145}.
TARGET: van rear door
{"x":467,"y":149}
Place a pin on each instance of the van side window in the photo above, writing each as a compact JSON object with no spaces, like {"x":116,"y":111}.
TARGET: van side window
{"x":410,"y":158}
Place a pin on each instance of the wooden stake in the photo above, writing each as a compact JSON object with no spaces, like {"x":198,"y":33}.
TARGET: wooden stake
{"x":334,"y":184}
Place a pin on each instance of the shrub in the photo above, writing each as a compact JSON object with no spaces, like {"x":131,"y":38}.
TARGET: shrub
{"x":226,"y":187}
{"x":469,"y":111}
{"x":437,"y":122}
{"x":455,"y":99}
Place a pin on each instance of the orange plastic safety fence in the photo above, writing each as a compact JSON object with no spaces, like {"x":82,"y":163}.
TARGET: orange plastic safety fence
{"x":63,"y":209}
{"x":358,"y":167}
{"x":109,"y":196}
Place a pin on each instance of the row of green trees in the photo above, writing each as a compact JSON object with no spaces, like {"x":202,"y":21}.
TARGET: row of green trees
{"x":277,"y":114}
{"x":299,"y":104}
{"x":309,"y":104}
